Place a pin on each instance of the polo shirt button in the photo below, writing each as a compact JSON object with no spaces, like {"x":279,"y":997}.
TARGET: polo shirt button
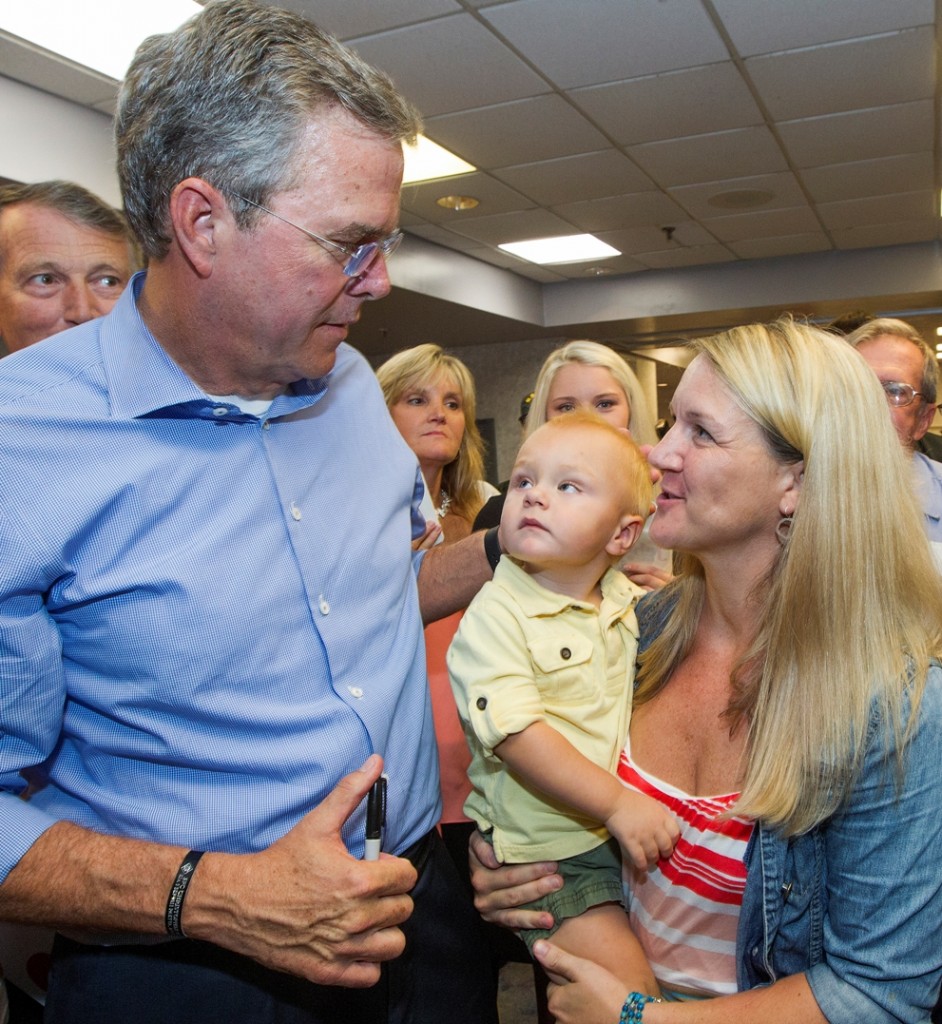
{"x":565,"y":654}
{"x":481,"y":703}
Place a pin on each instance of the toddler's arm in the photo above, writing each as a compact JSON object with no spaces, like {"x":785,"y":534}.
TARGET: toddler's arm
{"x":547,"y":760}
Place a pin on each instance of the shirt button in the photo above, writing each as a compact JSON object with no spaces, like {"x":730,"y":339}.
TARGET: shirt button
{"x":324,"y":605}
{"x":355,"y":691}
{"x":220,"y":410}
{"x":266,"y":425}
{"x":295,"y":513}
{"x":565,"y":654}
{"x":481,"y":703}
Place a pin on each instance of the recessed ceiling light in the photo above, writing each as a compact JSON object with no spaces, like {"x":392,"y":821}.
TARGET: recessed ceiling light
{"x":427,"y":161}
{"x":102,"y":36}
{"x":741,"y":199}
{"x":597,"y":271}
{"x":458,"y":202}
{"x":560,"y":249}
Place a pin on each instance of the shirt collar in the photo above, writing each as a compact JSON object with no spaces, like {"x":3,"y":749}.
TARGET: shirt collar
{"x":144,"y":381}
{"x":619,"y":594}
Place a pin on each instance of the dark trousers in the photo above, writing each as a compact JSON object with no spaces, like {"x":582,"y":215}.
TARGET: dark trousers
{"x":443,"y":975}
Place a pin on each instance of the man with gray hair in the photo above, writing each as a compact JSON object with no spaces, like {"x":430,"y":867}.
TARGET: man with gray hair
{"x":908,"y":371}
{"x":65,"y":257}
{"x":210,"y":612}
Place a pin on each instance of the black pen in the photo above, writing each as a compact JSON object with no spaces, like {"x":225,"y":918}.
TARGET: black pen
{"x":375,"y":818}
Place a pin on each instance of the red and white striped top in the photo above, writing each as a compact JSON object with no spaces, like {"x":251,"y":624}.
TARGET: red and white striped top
{"x":686,"y":911}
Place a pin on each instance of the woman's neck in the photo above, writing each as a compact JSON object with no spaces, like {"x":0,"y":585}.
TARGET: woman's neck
{"x":432,"y":475}
{"x":732,"y":602}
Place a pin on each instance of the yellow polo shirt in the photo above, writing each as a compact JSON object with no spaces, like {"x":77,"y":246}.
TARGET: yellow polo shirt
{"x":525,"y":654}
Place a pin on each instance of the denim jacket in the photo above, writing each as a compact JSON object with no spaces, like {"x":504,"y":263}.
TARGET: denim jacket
{"x":856,"y":903}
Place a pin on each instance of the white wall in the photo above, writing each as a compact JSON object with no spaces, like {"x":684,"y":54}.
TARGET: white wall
{"x":46,"y":137}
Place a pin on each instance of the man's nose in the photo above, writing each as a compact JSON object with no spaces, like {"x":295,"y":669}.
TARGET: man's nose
{"x":81,"y":304}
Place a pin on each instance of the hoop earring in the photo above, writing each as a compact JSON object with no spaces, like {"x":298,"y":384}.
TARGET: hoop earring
{"x":783,"y":529}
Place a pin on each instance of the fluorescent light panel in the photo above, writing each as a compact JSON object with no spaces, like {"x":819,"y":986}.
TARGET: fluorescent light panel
{"x":561,"y":249}
{"x":102,"y":35}
{"x":427,"y":161}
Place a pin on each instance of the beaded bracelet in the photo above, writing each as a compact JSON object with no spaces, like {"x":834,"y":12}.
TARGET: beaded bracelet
{"x":634,"y":1007}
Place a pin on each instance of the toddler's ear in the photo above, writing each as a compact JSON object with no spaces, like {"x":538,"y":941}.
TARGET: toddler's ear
{"x":629,"y":530}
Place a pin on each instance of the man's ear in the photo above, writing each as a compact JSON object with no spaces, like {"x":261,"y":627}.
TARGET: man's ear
{"x":628,"y":531}
{"x":926,"y":416}
{"x":195,"y":209}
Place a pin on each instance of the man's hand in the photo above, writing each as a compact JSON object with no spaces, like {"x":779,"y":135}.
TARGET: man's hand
{"x":304,"y":905}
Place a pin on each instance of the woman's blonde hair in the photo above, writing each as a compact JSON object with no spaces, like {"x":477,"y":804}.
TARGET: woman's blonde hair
{"x":851,"y":610}
{"x":591,"y":353}
{"x":423,"y":365}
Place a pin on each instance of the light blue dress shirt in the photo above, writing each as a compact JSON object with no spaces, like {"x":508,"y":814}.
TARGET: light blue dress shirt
{"x":928,"y":475}
{"x":206,"y":618}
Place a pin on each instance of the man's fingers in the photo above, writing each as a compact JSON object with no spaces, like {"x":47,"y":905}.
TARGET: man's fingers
{"x":346,"y":796}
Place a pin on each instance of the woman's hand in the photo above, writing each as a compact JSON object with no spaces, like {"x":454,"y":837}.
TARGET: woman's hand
{"x":499,"y":890}
{"x":651,"y":577}
{"x":580,"y":992}
{"x":428,"y":539}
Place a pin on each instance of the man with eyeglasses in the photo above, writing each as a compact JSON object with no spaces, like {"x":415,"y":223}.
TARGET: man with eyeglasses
{"x":210,"y":612}
{"x":908,"y":370}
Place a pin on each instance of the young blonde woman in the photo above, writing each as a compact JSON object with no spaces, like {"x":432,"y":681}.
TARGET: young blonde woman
{"x":788,"y":708}
{"x":591,"y":377}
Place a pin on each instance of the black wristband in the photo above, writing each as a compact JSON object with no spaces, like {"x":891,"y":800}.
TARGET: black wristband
{"x":492,"y":548}
{"x":178,"y":893}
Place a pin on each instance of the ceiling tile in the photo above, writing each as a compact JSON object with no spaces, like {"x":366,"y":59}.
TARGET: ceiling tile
{"x":864,"y":73}
{"x":908,"y":172}
{"x":572,"y":178}
{"x":494,"y":196}
{"x":596,"y":41}
{"x":700,"y":158}
{"x":693,"y":102}
{"x":345,"y":19}
{"x":766,"y":26}
{"x":516,"y":133}
{"x":514,"y":227}
{"x":450,"y":64}
{"x":685,"y":234}
{"x":907,"y":206}
{"x":858,"y":134}
{"x":614,"y":212}
{"x":442,"y":236}
{"x":741,"y":226}
{"x":783,"y":187}
{"x":784,"y":245}
{"x":867,"y":236}
{"x":693,"y":256}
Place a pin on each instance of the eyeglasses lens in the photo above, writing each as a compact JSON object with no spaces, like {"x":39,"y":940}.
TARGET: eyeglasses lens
{"x":899,"y":395}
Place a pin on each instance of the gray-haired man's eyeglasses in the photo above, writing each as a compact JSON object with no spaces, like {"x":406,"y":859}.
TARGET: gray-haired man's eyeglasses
{"x":358,"y":260}
{"x":899,"y":394}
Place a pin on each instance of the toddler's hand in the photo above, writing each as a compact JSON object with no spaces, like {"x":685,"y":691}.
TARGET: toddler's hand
{"x":645,"y":830}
